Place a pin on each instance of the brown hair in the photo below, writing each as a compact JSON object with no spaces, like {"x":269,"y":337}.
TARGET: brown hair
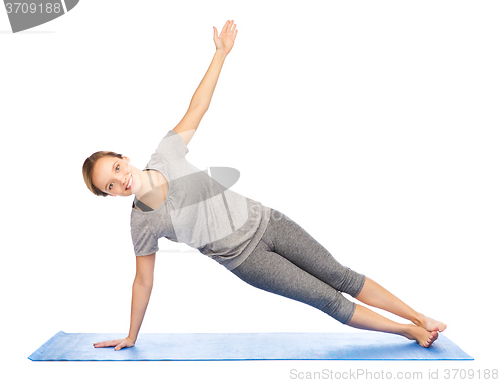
{"x":88,"y":169}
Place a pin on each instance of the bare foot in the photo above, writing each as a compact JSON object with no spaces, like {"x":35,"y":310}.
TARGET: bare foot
{"x":430,"y":324}
{"x":421,"y":335}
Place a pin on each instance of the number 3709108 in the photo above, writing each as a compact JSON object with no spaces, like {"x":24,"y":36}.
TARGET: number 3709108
{"x":33,"y":8}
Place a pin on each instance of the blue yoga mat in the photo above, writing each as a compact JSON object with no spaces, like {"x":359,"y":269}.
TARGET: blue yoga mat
{"x":248,"y":346}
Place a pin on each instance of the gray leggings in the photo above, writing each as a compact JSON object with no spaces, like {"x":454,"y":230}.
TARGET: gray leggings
{"x":289,"y":262}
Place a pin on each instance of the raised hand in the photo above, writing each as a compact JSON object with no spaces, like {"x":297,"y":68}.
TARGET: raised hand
{"x":225,"y":41}
{"x":118,"y":344}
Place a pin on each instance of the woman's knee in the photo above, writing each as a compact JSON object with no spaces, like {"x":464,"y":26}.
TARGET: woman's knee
{"x":334,"y":304}
{"x":347,"y":281}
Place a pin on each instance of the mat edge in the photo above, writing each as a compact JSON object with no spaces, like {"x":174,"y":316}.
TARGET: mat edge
{"x":40,"y":350}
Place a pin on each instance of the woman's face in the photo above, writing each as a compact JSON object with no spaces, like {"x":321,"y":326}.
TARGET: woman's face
{"x":116,"y":176}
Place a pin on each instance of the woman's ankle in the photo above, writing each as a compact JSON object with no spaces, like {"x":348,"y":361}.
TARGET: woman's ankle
{"x":418,"y":319}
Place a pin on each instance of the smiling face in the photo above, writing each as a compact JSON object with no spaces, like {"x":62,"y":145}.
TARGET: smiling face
{"x":116,"y":177}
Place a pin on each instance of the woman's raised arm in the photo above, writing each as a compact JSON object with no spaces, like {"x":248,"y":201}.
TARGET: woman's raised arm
{"x":203,"y":94}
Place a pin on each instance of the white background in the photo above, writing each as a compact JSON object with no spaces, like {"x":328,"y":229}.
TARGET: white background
{"x":373,"y":124}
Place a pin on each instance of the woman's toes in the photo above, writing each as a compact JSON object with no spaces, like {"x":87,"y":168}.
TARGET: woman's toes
{"x":434,"y":335}
{"x":421,"y":335}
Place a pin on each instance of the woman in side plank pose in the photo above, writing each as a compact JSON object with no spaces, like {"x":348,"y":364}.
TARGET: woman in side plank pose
{"x":260,"y":245}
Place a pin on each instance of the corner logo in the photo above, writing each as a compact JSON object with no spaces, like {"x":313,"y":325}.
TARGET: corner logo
{"x":31,"y":13}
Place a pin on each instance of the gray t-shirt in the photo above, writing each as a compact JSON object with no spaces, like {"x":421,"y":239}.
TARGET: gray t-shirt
{"x":197,"y":211}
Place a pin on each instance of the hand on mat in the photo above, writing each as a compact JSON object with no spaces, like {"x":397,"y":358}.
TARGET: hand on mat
{"x":225,"y":41}
{"x":119,"y":343}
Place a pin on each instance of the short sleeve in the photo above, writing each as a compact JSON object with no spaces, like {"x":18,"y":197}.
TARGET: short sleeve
{"x":171,"y":147}
{"x":144,"y":241}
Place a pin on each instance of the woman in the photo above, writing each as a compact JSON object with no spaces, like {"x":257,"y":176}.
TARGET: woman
{"x":260,"y":245}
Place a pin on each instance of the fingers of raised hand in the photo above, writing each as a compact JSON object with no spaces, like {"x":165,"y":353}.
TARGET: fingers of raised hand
{"x":233,"y":29}
{"x":229,"y":28}
{"x":226,"y":26}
